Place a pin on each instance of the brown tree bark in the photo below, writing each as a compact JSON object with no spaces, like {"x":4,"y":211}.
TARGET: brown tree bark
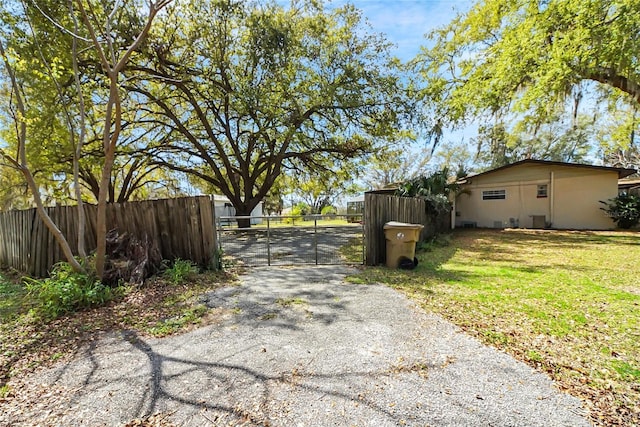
{"x":611,"y":78}
{"x":112,"y":66}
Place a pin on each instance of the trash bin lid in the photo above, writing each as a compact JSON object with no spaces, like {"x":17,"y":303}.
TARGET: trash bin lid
{"x":395,"y":224}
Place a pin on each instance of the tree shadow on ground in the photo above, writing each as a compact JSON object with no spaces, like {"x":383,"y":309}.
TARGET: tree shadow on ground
{"x":237,"y":381}
{"x":512,"y":247}
{"x":158,"y":395}
{"x":554,"y":238}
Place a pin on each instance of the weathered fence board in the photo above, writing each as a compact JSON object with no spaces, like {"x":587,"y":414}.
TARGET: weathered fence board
{"x":182,"y":228}
{"x":382,"y":208}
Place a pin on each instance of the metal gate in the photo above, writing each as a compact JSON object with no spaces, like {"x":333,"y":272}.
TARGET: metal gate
{"x":293,"y":240}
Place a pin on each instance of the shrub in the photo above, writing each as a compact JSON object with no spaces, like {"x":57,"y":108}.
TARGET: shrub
{"x":624,"y":210}
{"x":180,"y":271}
{"x":301,"y":209}
{"x":328,"y":210}
{"x":67,"y":290}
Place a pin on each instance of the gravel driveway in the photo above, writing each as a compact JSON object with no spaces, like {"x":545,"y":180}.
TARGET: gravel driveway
{"x":300,"y":347}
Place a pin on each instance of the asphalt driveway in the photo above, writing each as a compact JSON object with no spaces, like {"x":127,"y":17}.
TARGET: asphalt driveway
{"x":300,"y":347}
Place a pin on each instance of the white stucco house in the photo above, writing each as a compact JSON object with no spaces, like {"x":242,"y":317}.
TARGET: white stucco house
{"x":538,"y":194}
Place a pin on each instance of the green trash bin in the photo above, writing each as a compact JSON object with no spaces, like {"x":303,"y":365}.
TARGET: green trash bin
{"x":401,"y":240}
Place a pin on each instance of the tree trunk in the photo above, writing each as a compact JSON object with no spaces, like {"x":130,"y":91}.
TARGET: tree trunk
{"x":101,"y":224}
{"x":109,"y":142}
{"x":20,"y":163}
{"x":82,"y":219}
{"x":244,"y":222}
{"x":53,"y":228}
{"x":113,"y":114}
{"x":243,"y":211}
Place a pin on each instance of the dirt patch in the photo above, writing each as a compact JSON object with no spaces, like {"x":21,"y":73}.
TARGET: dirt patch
{"x":27,"y":343}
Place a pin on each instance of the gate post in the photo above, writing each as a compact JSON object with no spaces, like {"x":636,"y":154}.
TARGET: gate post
{"x":364,"y":242}
{"x":219,"y":232}
{"x":315,"y":236}
{"x":268,"y":243}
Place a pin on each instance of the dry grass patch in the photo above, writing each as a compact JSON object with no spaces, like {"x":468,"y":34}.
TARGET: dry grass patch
{"x":567,"y":303}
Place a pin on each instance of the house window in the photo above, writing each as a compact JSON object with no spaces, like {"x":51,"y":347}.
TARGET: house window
{"x":542,"y":191}
{"x":494,"y":195}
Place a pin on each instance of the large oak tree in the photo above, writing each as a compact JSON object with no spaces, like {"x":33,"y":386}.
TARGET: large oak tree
{"x":250,"y":89}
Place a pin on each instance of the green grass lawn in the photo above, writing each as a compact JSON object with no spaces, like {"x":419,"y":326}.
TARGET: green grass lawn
{"x":352,"y":251}
{"x":567,"y":303}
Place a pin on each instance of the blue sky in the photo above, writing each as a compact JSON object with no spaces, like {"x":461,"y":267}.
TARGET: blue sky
{"x":405,"y":22}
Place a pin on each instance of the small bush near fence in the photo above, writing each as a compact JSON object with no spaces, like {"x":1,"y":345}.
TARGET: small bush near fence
{"x":181,"y":271}
{"x":66,"y":291}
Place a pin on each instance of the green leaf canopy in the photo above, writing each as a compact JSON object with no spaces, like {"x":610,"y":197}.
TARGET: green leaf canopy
{"x":249,"y":90}
{"x":526,"y":56}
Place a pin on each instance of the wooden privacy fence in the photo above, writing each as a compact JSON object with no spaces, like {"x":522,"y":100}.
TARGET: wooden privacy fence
{"x":182,"y":228}
{"x":382,"y":208}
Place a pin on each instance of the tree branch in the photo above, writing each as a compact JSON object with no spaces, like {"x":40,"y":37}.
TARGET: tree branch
{"x":610,"y":77}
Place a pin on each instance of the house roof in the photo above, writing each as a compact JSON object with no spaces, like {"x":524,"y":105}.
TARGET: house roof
{"x":622,"y":172}
{"x":629,"y":183}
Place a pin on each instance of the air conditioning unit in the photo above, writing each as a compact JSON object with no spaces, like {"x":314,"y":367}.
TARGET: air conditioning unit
{"x":539,"y":221}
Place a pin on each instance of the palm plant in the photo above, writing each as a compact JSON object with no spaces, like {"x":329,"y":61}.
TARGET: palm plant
{"x":434,"y":188}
